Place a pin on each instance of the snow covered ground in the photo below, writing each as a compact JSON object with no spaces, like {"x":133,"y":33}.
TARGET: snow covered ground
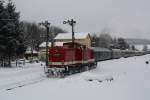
{"x":14,"y":77}
{"x":118,"y":79}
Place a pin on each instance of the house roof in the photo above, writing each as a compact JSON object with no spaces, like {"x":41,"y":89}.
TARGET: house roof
{"x":69,"y":35}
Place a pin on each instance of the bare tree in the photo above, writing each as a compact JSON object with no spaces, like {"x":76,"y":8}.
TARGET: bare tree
{"x":34,"y":34}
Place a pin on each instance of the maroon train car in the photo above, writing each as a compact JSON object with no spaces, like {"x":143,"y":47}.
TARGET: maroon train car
{"x":70,"y":58}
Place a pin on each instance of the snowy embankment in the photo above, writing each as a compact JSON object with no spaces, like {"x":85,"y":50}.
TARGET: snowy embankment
{"x":130,"y":80}
{"x":16,"y":77}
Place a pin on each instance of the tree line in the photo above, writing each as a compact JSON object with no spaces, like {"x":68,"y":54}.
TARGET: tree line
{"x":104,"y":40}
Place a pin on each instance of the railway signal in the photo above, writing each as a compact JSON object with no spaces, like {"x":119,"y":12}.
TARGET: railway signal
{"x":46,"y":24}
{"x":71,"y":23}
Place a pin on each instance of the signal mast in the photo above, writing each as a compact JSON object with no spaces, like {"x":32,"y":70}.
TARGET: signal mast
{"x":71,"y":23}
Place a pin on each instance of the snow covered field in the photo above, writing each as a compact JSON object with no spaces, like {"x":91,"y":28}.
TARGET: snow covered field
{"x":118,"y":79}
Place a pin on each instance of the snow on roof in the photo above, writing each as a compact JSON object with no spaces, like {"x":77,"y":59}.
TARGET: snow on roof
{"x":56,"y":44}
{"x":43,"y":44}
{"x":28,"y":51}
{"x":69,"y":35}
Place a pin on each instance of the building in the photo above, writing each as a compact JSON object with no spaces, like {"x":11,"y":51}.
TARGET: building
{"x":30,"y":54}
{"x":139,"y":44}
{"x":42,"y":50}
{"x":140,"y":47}
{"x":83,"y":38}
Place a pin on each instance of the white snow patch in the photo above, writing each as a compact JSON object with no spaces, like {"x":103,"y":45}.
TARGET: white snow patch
{"x":98,"y":77}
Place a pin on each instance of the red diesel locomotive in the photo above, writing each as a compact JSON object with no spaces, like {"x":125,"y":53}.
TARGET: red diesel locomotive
{"x":70,"y":58}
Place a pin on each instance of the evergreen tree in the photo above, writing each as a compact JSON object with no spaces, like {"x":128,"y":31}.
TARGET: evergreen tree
{"x":11,"y":37}
{"x":94,"y":40}
{"x":133,"y":47}
{"x":2,"y":44}
{"x":122,"y":44}
{"x":145,"y":48}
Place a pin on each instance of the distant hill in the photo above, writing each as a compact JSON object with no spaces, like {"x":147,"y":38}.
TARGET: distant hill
{"x":137,"y":41}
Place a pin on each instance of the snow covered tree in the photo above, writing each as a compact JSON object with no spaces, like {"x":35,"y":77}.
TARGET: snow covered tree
{"x":2,"y":44}
{"x":35,"y":35}
{"x":105,"y":40}
{"x":94,"y":40}
{"x":122,"y":44}
{"x":10,"y":31}
{"x":114,"y":43}
{"x":133,"y":47}
{"x":145,"y":48}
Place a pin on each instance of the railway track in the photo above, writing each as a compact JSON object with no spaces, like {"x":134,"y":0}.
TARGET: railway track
{"x":11,"y":86}
{"x":12,"y":78}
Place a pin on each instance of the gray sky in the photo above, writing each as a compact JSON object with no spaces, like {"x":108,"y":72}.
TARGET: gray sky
{"x":122,"y":18}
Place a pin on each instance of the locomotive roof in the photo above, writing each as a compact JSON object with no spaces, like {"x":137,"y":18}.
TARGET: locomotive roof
{"x":69,"y":35}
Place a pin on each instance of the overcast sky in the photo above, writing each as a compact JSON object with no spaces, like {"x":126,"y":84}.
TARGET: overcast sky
{"x":122,"y":18}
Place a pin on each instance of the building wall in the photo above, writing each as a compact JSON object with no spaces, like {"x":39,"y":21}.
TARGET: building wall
{"x":86,"y":41}
{"x":42,"y":53}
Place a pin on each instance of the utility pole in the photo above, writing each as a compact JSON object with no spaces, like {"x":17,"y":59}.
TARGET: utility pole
{"x":71,"y":23}
{"x":32,"y":45}
{"x":46,"y":24}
